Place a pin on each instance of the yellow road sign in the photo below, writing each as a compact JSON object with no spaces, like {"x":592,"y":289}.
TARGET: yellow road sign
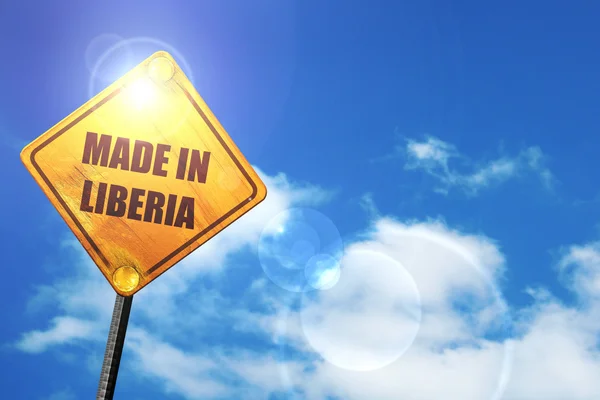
{"x":143,"y":174}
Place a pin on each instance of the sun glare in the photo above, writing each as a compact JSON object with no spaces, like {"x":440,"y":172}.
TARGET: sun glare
{"x":141,"y":92}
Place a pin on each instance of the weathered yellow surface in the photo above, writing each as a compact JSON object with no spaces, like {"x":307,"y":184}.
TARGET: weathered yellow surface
{"x":157,"y":104}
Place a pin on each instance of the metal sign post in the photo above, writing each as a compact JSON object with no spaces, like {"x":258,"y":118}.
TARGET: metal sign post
{"x":114,"y":348}
{"x":143,"y":174}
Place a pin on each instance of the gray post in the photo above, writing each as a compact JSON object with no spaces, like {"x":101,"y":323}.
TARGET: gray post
{"x":114,"y":348}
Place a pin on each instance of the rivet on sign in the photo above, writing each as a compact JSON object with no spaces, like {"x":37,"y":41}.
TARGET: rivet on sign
{"x":126,"y":278}
{"x":161,"y":68}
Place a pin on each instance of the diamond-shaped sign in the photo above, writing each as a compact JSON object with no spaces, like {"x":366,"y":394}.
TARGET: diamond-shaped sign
{"x":143,"y":174}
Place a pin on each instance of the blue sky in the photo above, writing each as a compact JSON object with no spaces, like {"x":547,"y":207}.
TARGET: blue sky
{"x":449,"y":146}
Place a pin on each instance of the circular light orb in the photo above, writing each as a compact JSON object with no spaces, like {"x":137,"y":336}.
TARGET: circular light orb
{"x":295,"y":246}
{"x":369,"y":318}
{"x":322,"y":271}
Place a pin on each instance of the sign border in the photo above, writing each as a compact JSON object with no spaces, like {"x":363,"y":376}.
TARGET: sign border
{"x":196,"y":237}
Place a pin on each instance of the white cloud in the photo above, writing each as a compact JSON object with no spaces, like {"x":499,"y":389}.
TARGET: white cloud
{"x":434,"y":156}
{"x":557,"y":358}
{"x":554,"y":354}
{"x":64,"y":330}
{"x":580,"y":267}
{"x":177,"y":302}
{"x":368,"y":204}
{"x":457,"y":348}
{"x":183,"y":373}
{"x":367,"y":322}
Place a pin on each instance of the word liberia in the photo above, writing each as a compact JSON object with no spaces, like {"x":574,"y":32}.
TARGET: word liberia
{"x":117,"y":201}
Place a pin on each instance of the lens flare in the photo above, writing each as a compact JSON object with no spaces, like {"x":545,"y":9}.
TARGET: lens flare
{"x":119,"y":57}
{"x":369,"y":318}
{"x":322,"y":271}
{"x":141,"y":93}
{"x":161,"y":69}
{"x":299,"y":248}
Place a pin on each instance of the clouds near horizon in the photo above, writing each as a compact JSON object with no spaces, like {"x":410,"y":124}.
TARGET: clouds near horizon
{"x":416,"y":302}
